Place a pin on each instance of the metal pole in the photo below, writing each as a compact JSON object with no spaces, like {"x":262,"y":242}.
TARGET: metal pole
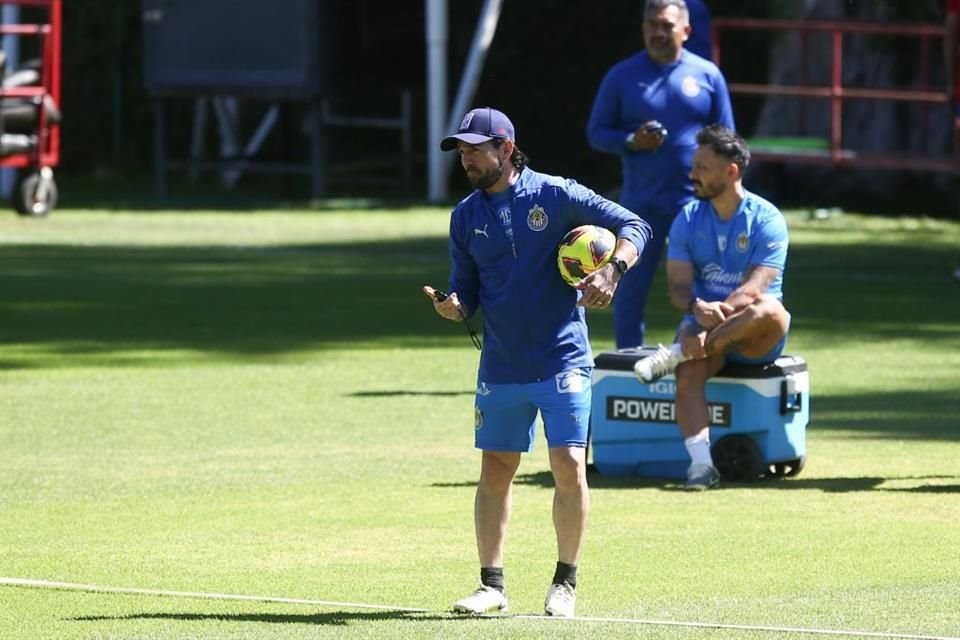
{"x":318,"y":158}
{"x":482,"y":38}
{"x":406,"y":118}
{"x":159,"y":149}
{"x":436,"y":25}
{"x":836,"y":98}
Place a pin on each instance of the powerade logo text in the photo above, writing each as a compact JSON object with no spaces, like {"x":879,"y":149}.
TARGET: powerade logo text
{"x":656,"y":410}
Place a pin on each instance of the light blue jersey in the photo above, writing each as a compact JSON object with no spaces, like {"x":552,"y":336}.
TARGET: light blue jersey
{"x":722,"y":252}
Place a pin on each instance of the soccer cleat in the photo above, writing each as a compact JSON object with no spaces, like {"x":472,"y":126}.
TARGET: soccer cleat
{"x":653,"y":367}
{"x":484,"y":600}
{"x":561,"y":601}
{"x":701,"y":477}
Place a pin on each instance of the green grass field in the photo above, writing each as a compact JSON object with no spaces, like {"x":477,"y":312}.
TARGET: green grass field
{"x":263,"y":403}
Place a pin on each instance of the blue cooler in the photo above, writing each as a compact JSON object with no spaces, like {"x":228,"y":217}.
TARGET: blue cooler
{"x":758,"y":419}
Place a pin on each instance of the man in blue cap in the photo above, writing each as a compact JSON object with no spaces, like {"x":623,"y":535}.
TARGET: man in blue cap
{"x":536,"y":355}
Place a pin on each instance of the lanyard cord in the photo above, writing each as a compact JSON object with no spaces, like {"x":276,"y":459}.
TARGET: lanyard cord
{"x":440,"y":296}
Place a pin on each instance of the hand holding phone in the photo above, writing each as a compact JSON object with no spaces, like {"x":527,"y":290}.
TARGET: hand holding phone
{"x":439,"y":297}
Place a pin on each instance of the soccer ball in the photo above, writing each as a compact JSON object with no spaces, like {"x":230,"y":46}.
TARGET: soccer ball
{"x":584,"y":250}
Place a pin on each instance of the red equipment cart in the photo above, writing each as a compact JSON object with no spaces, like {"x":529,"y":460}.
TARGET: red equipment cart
{"x":29,"y":107}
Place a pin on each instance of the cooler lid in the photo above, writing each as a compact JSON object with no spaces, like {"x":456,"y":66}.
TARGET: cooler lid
{"x":624,"y":359}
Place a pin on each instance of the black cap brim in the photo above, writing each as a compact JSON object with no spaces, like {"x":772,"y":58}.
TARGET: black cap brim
{"x":450,"y":142}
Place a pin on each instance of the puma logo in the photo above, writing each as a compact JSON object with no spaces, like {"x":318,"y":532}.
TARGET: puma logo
{"x":481,"y":232}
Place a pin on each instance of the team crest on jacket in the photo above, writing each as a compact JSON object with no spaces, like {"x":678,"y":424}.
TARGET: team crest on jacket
{"x":690,"y":87}
{"x":743,"y":242}
{"x":537,"y":218}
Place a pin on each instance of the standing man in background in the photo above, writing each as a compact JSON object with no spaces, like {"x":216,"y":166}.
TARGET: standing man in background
{"x":647,"y":111}
{"x":951,"y":59}
{"x":700,"y":41}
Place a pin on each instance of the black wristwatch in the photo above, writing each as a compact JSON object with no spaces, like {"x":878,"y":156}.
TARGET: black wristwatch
{"x":619,"y":264}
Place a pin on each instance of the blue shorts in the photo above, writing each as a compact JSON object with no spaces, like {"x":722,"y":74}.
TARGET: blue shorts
{"x":769,"y":356}
{"x":733,"y":356}
{"x":506,"y":414}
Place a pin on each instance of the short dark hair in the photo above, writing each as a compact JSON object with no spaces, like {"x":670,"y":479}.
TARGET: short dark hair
{"x":727,"y":143}
{"x":663,"y":4}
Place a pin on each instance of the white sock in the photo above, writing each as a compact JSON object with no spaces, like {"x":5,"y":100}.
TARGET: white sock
{"x":677,"y":352}
{"x":698,"y":447}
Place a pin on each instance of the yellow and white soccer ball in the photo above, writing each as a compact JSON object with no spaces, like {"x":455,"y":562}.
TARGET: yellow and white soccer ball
{"x":584,"y":250}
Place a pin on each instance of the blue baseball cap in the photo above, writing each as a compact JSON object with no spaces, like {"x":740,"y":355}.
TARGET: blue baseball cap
{"x":478,"y":126}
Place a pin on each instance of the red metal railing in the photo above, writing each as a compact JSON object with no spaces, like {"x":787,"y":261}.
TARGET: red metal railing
{"x":47,"y":152}
{"x":836,"y":92}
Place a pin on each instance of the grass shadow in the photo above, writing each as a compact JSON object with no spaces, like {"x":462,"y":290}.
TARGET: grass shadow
{"x":100,"y":305}
{"x":907,"y":415}
{"x":929,"y":488}
{"x":101,"y":302}
{"x":334,"y":618}
{"x":598,"y":481}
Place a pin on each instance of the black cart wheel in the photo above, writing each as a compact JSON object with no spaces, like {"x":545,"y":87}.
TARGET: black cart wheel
{"x":787,"y":468}
{"x":35,"y":194}
{"x":737,"y":458}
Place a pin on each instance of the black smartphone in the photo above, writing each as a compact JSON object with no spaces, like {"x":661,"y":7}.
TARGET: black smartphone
{"x":439,"y":296}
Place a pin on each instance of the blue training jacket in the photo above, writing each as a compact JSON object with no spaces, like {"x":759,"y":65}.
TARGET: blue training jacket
{"x":685,"y":97}
{"x":532,"y":326}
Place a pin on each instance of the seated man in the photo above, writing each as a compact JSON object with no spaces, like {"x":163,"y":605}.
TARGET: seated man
{"x":725,"y":262}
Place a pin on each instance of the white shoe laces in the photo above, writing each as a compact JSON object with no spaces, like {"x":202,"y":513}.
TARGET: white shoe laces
{"x":562,"y":592}
{"x":661,"y":363}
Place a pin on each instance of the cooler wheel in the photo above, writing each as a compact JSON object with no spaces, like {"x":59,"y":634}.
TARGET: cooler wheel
{"x":737,"y":458}
{"x":787,"y":468}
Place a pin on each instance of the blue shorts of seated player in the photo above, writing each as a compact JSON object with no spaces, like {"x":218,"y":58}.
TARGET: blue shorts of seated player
{"x":506,"y":414}
{"x":732,"y":357}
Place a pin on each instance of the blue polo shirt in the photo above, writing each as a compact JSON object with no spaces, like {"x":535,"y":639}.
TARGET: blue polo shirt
{"x":532,"y":326}
{"x":685,"y":97}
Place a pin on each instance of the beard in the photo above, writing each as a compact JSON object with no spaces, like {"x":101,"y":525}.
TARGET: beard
{"x":662,"y":50}
{"x":486,"y":179}
{"x":708,"y":191}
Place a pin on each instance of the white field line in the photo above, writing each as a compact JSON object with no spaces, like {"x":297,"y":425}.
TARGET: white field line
{"x":72,"y":586}
{"x":750,"y":627}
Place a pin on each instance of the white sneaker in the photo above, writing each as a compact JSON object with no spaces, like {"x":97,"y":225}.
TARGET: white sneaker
{"x":661,"y":363}
{"x":561,"y":601}
{"x":483,"y":600}
{"x":701,"y":477}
